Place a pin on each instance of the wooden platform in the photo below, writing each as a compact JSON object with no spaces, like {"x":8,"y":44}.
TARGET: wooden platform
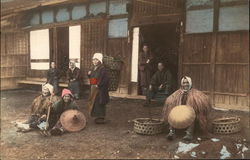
{"x":39,"y":81}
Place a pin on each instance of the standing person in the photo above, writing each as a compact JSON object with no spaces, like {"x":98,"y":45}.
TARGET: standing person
{"x":99,"y":95}
{"x":160,"y":82}
{"x":53,"y":76}
{"x":145,"y":68}
{"x":194,"y":98}
{"x":73,"y":75}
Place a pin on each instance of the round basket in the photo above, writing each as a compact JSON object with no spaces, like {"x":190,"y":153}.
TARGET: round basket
{"x":148,"y":126}
{"x":227,"y":125}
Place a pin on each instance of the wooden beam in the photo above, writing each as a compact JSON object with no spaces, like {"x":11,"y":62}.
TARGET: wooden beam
{"x":234,"y":3}
{"x":232,"y":94}
{"x":202,"y":7}
{"x":216,"y":16}
{"x":212,"y":67}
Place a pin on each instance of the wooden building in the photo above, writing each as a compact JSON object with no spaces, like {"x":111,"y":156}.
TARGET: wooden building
{"x":205,"y":39}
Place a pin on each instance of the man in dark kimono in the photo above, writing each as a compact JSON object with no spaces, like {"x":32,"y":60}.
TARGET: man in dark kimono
{"x":99,"y":95}
{"x":67,"y":102}
{"x":73,"y":75}
{"x":161,"y":82}
{"x":145,"y":68}
{"x":53,"y":76}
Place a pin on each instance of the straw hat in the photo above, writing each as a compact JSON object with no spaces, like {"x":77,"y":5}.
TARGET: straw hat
{"x":73,"y":120}
{"x":181,"y":116}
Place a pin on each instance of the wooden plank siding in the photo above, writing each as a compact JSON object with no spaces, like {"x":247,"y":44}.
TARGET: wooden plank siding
{"x":118,"y":47}
{"x":93,"y":39}
{"x":156,"y":11}
{"x":232,"y":70}
{"x":14,"y":58}
{"x":196,"y":59}
{"x":218,"y":64}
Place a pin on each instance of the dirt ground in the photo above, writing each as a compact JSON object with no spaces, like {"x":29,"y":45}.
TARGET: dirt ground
{"x":113,"y":140}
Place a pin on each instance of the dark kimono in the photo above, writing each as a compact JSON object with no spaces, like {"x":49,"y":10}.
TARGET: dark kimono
{"x":99,"y":95}
{"x":74,"y":81}
{"x":57,"y":109}
{"x":161,"y":78}
{"x":53,"y":76}
{"x":145,"y":70}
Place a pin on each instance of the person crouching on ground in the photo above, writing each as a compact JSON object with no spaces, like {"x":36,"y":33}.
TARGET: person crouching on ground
{"x":160,"y":82}
{"x":65,"y":103}
{"x":73,"y":75}
{"x":187,"y":95}
{"x":40,"y":105}
{"x":99,"y":95}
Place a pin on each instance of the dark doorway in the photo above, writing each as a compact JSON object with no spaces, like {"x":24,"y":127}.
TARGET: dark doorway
{"x":163,"y":41}
{"x":59,"y":42}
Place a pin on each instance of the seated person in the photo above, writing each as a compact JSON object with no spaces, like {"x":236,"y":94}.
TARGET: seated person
{"x":40,"y":105}
{"x":73,"y":75}
{"x":67,"y":102}
{"x":187,"y":95}
{"x":160,"y":82}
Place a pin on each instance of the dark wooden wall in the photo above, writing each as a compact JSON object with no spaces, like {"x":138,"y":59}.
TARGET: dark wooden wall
{"x":219,"y":65}
{"x":156,"y":11}
{"x":14,"y":58}
{"x":93,"y":37}
{"x":119,"y":48}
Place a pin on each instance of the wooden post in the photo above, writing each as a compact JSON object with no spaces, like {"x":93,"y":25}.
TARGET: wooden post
{"x":181,"y":43}
{"x":214,"y":50}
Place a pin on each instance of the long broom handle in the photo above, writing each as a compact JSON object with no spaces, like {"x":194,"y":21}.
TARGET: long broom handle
{"x":48,"y":114}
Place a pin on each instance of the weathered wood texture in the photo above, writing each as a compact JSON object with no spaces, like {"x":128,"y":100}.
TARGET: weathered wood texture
{"x":225,"y":76}
{"x":93,"y":37}
{"x":155,"y":11}
{"x":14,"y":58}
{"x":232,"y":70}
{"x":118,"y":48}
{"x":154,"y":7}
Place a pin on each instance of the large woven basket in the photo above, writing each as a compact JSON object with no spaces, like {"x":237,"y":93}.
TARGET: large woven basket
{"x":227,"y":125}
{"x":114,"y":67}
{"x":148,"y":126}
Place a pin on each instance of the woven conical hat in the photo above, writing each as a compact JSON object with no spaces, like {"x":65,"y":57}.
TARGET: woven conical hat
{"x":73,"y":120}
{"x":181,"y":116}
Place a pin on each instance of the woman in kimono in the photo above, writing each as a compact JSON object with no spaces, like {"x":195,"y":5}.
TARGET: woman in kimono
{"x":99,"y":95}
{"x":65,"y":103}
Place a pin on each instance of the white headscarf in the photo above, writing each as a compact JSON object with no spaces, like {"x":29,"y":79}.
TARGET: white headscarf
{"x":49,"y":87}
{"x":74,"y":64}
{"x":98,"y":56}
{"x":189,"y":81}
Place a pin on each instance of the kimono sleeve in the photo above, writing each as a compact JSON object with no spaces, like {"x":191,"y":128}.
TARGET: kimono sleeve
{"x":103,"y":79}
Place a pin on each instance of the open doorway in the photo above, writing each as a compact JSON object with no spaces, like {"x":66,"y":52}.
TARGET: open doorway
{"x":60,"y":49}
{"x":163,"y":41}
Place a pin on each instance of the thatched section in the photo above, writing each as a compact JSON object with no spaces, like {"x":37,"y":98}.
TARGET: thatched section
{"x":196,"y":99}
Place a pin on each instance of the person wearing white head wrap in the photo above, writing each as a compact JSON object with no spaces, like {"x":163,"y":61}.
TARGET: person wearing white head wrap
{"x":99,"y":95}
{"x":187,"y":95}
{"x":73,"y":75}
{"x":48,"y":87}
{"x":186,"y":83}
{"x":40,"y":105}
{"x":98,"y":56}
